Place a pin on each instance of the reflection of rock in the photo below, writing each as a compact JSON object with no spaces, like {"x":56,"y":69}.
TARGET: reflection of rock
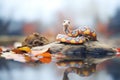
{"x":35,"y":39}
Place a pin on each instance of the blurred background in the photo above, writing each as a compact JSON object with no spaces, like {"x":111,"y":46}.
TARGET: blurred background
{"x":19,"y":18}
{"x":23,"y":17}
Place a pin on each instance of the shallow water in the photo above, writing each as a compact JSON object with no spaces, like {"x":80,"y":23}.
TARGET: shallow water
{"x":19,"y":71}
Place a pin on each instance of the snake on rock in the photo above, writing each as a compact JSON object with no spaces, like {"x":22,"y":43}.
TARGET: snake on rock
{"x":77,"y":36}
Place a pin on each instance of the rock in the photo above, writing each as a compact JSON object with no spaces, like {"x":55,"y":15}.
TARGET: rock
{"x":35,"y":39}
{"x":93,"y":50}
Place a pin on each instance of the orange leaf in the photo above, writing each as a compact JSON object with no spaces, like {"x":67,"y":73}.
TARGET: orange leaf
{"x":46,"y":57}
{"x":45,"y":60}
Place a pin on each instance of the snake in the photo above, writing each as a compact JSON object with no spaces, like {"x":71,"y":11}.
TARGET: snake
{"x":77,"y":36}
